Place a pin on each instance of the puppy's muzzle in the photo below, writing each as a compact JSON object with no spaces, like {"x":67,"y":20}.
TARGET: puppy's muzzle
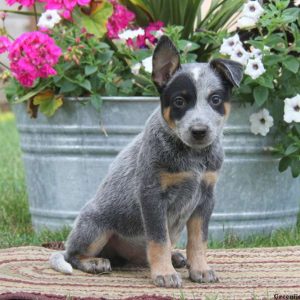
{"x":199,"y":132}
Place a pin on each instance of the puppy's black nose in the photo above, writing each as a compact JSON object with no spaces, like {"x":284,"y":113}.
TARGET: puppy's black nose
{"x":199,"y":131}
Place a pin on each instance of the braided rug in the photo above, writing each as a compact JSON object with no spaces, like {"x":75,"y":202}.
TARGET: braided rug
{"x":257,"y":273}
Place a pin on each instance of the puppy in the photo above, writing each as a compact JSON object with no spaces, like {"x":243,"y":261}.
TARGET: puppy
{"x":163,"y":180}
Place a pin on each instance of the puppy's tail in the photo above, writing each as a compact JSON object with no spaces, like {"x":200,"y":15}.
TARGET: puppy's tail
{"x":58,"y":263}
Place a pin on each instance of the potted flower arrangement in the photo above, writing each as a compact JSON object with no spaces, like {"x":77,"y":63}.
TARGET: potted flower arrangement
{"x":84,"y":77}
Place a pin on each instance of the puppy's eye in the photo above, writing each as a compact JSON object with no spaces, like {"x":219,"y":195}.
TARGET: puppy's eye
{"x":215,"y":100}
{"x":179,"y":102}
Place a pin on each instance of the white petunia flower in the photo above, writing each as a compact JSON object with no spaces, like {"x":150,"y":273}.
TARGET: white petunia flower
{"x":147,"y":64}
{"x":252,"y":9}
{"x":255,"y":68}
{"x":131,"y":34}
{"x":261,"y":122}
{"x":49,"y":19}
{"x":135,"y":69}
{"x":229,"y":44}
{"x":245,"y":22}
{"x":255,"y":53}
{"x":240,"y":55}
{"x":292,"y":109}
{"x":158,"y":33}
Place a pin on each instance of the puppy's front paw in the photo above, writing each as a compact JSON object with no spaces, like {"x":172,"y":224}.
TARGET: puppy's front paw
{"x":168,"y":280}
{"x":205,"y":276}
{"x":96,"y":265}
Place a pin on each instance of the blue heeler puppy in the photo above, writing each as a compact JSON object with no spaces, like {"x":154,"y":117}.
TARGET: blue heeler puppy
{"x":163,"y":180}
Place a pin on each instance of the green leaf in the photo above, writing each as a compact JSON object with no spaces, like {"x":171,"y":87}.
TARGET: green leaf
{"x":95,"y":21}
{"x":245,"y":89}
{"x":266,"y":80}
{"x":110,"y":89}
{"x":89,"y":70}
{"x":275,"y":40}
{"x":292,"y":64}
{"x":270,"y":60}
{"x":260,"y":94}
{"x":257,"y":44}
{"x":291,"y":149}
{"x":96,"y":83}
{"x":295,"y":166}
{"x":67,"y":87}
{"x":126,"y":84}
{"x":187,"y":46}
{"x":12,"y":90}
{"x":282,"y":4}
{"x":284,"y":163}
{"x":96,"y":102}
{"x":105,"y":57}
{"x":86,"y":85}
{"x":297,"y":126}
{"x":33,"y":92}
{"x":48,"y":103}
{"x":290,"y":15}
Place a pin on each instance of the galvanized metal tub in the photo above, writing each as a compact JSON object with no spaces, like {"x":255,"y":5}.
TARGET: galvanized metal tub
{"x":67,"y":156}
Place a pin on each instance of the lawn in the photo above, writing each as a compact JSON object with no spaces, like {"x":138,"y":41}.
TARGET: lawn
{"x":15,"y":226}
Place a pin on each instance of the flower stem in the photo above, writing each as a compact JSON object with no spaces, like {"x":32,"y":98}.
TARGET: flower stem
{"x":26,"y":13}
{"x":10,"y":36}
{"x":35,"y":16}
{"x":4,"y":65}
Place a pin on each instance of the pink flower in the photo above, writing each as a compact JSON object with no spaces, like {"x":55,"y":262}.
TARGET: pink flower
{"x":130,"y":43}
{"x":54,"y":4}
{"x":67,"y":14}
{"x":119,"y":20}
{"x":83,"y":2}
{"x":4,"y":44}
{"x":26,"y":3}
{"x":150,"y":36}
{"x":141,"y":41}
{"x":66,"y":6}
{"x":153,"y":27}
{"x":33,"y":55}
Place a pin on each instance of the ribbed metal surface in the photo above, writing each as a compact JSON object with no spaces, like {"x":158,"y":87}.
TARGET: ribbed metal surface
{"x":66,"y":157}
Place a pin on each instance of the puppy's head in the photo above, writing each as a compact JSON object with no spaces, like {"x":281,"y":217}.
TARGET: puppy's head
{"x":194,"y":97}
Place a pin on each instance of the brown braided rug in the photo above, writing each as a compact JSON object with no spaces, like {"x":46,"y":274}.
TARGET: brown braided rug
{"x":256,"y":273}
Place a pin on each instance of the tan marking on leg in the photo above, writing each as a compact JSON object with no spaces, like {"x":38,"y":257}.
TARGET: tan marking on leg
{"x":227,"y":108}
{"x":171,"y":179}
{"x":160,"y":258}
{"x":96,"y":247}
{"x":196,"y":247}
{"x":210,"y":177}
{"x":167,"y":117}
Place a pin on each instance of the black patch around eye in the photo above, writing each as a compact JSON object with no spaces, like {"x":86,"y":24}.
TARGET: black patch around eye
{"x":182,"y":86}
{"x":224,"y":95}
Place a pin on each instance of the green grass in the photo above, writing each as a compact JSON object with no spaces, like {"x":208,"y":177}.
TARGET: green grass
{"x":15,"y":225}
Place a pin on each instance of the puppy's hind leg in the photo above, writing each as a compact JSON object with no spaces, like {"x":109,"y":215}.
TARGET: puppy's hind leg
{"x":85,"y":243}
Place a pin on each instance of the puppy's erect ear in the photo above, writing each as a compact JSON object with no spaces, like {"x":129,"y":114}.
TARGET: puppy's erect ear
{"x":166,"y":62}
{"x":231,"y":70}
